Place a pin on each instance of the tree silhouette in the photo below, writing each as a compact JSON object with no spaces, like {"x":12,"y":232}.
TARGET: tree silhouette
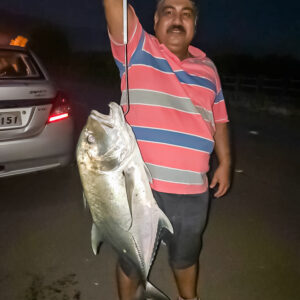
{"x":50,"y":43}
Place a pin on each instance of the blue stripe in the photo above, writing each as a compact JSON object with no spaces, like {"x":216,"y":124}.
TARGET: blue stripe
{"x":192,"y":79}
{"x":120,"y":67}
{"x":173,"y":138}
{"x":139,"y":47}
{"x":219,"y":97}
{"x":141,"y":57}
{"x":145,"y":58}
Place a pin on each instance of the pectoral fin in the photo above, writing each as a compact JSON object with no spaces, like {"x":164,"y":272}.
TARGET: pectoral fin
{"x":129,"y":184}
{"x":85,"y":203}
{"x":148,"y":173}
{"x":96,"y":238}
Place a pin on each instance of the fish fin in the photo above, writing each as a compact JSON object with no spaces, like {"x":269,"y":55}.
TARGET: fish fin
{"x":85,"y":203}
{"x":164,"y":222}
{"x":148,"y":173}
{"x":154,"y":293}
{"x":129,"y":184}
{"x":117,"y":113}
{"x":96,"y":238}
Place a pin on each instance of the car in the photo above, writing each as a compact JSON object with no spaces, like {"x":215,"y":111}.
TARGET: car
{"x":36,"y":123}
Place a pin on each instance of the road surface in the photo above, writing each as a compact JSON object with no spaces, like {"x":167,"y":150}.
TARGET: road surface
{"x":251,"y":244}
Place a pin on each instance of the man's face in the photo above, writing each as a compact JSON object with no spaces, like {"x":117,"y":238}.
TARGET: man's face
{"x":174,"y":24}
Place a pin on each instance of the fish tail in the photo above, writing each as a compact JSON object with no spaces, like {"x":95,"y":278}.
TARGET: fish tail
{"x":154,"y":293}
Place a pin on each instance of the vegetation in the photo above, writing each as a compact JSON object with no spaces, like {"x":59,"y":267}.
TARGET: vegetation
{"x":272,"y":65}
{"x":50,"y":44}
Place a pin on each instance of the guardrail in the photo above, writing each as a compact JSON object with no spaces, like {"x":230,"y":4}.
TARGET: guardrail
{"x":262,"y":85}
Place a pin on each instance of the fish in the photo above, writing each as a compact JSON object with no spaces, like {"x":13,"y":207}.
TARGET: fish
{"x":116,"y":186}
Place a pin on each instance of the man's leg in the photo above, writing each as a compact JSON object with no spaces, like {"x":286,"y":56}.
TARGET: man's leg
{"x":127,"y":286}
{"x":186,"y":280}
{"x":188,"y":215}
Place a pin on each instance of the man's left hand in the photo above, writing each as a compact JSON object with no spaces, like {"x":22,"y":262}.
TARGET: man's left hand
{"x":222,"y":178}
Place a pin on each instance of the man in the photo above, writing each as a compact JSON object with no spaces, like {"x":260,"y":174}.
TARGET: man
{"x":178,"y":115}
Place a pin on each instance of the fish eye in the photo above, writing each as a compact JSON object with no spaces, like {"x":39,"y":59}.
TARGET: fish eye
{"x":91,"y":139}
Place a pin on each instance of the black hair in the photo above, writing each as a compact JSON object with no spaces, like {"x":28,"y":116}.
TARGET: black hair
{"x":158,"y":2}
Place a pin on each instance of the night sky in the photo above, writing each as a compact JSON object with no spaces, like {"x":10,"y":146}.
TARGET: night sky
{"x":253,"y":27}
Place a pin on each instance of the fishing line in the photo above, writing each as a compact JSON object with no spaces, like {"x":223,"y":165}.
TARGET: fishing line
{"x":125,"y":41}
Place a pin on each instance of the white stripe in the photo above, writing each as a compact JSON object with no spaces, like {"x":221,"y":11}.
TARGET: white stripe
{"x":162,"y":58}
{"x":168,"y":107}
{"x":175,"y":103}
{"x":197,"y":76}
{"x":176,"y":169}
{"x":220,"y":101}
{"x":159,"y":92}
{"x":119,"y":44}
{"x":224,"y":119}
{"x":176,"y":175}
{"x":186,"y":183}
{"x":198,"y":85}
{"x":209,"y":117}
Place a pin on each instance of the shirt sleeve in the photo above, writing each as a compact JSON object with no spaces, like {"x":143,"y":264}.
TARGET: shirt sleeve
{"x":118,"y":49}
{"x":219,"y":106}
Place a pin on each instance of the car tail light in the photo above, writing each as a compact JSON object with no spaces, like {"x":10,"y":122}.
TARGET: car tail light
{"x":61,"y":109}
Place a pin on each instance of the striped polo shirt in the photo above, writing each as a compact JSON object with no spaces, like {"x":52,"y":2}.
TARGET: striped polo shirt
{"x":174,"y":106}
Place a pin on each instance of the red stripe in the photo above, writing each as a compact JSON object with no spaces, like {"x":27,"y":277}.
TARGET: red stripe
{"x":220,"y":112}
{"x":134,"y":35}
{"x":151,"y":116}
{"x":174,"y":157}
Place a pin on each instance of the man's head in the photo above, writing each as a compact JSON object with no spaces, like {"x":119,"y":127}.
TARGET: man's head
{"x":174,"y":24}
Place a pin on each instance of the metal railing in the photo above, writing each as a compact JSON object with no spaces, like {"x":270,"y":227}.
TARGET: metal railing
{"x":262,"y":85}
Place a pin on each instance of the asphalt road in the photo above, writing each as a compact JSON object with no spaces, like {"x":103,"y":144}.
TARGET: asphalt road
{"x":251,"y":244}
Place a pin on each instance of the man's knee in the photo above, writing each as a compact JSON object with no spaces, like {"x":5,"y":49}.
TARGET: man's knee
{"x":127,"y":286}
{"x":128,"y":269}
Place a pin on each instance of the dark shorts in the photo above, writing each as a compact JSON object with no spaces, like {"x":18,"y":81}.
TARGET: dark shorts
{"x":188,"y":215}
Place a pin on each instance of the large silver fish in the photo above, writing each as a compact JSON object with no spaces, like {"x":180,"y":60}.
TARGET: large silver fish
{"x":116,"y":186}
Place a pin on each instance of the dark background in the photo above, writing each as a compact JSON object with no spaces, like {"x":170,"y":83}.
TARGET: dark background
{"x":251,"y":244}
{"x":242,"y":37}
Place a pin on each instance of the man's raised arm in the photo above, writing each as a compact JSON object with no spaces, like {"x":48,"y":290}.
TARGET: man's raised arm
{"x":114,"y":17}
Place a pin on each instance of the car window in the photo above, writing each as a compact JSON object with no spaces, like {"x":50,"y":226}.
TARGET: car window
{"x":17,"y":65}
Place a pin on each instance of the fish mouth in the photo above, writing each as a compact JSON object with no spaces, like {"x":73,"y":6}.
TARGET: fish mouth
{"x":106,"y":120}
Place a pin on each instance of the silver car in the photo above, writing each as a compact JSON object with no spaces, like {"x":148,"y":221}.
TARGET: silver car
{"x":36,"y":127}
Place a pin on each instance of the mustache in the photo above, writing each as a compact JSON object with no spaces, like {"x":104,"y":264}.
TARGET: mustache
{"x":176,"y":27}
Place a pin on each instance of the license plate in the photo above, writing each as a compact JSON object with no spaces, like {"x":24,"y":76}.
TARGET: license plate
{"x":10,"y":119}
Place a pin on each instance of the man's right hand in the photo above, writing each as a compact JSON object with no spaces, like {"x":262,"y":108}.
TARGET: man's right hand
{"x":114,"y":17}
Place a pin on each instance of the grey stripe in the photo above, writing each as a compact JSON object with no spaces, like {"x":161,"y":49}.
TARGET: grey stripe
{"x":176,"y":175}
{"x":148,"y":97}
{"x":206,"y":115}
